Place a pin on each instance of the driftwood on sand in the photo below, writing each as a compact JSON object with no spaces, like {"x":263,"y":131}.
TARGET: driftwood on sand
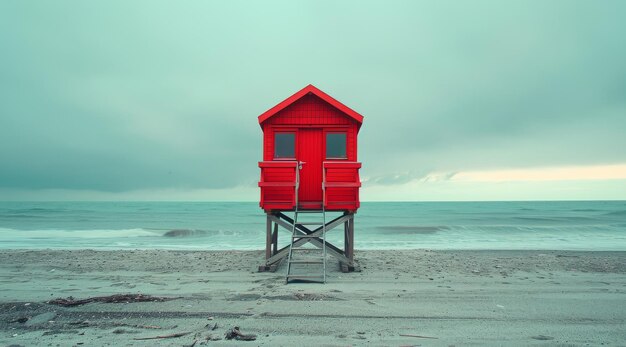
{"x":117,"y":298}
{"x":163,"y":336}
{"x":235,"y":333}
{"x":418,"y":336}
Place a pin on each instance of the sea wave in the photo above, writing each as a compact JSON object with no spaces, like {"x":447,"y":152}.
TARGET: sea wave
{"x":12,"y":234}
{"x":181,"y":225}
{"x":553,"y":219}
{"x":198,"y":233}
{"x":18,"y":215}
{"x":411,"y":229}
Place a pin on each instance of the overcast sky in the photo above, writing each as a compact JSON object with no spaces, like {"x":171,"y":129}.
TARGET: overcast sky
{"x":159,"y":99}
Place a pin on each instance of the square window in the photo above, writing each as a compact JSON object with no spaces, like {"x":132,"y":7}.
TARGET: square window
{"x":336,"y":146}
{"x":285,"y":145}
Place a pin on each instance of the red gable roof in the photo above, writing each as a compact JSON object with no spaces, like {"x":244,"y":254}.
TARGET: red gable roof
{"x":304,"y":91}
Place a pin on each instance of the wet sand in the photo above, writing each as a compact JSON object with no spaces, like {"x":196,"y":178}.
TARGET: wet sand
{"x":446,"y":297}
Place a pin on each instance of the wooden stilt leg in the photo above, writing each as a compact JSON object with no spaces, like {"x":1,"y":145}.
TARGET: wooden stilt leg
{"x":268,"y":244}
{"x":350,"y":255}
{"x":349,"y":247}
{"x":346,"y":242}
{"x":275,"y":240}
{"x":268,"y":239}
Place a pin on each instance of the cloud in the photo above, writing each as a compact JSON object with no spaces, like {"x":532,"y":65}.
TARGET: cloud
{"x":123,"y":97}
{"x":393,"y":178}
{"x":569,"y":173}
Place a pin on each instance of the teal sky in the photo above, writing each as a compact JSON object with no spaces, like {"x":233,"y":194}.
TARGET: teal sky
{"x":158,"y":99}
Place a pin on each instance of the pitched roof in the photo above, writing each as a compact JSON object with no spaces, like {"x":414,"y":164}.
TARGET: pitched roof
{"x":313,"y":90}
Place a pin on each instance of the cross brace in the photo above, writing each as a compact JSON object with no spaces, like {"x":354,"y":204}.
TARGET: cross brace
{"x":274,"y":255}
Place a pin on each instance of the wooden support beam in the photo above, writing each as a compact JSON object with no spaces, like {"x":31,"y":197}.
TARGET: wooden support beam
{"x":281,"y":222}
{"x":330,"y":249}
{"x":351,"y":229}
{"x":275,"y":239}
{"x":346,"y":241}
{"x":287,"y":224}
{"x":304,"y":230}
{"x":268,"y":247}
{"x":349,"y":266}
{"x":268,"y":238}
{"x":330,"y":225}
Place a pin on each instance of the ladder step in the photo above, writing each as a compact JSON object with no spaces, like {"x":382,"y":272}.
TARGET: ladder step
{"x":306,"y":261}
{"x":304,"y":276}
{"x":308,"y":255}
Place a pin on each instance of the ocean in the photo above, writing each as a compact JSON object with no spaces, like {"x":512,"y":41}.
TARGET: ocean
{"x":538,"y":225}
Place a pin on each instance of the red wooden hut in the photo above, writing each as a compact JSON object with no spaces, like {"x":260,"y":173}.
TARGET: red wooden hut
{"x":309,"y":165}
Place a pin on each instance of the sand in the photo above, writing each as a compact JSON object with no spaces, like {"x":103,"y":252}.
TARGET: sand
{"x":454,"y":297}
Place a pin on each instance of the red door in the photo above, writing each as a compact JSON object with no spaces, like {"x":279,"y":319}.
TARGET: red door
{"x":310,"y":152}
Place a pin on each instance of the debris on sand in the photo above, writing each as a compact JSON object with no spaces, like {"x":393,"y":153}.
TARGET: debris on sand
{"x":163,"y":336}
{"x":20,"y":320}
{"x":418,"y":336}
{"x":116,"y":298}
{"x":542,"y":337}
{"x":235,"y":333}
{"x":213,"y":327}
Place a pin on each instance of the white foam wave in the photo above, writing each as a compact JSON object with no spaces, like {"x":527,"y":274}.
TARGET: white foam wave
{"x":14,"y":234}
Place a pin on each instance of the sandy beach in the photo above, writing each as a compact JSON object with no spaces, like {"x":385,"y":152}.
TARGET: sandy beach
{"x":437,"y":298}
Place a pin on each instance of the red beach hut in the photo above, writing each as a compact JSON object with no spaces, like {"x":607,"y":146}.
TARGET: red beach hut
{"x":309,"y":165}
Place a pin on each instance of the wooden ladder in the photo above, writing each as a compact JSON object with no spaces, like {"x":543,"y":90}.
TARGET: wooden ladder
{"x":297,"y":235}
{"x":307,"y":256}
